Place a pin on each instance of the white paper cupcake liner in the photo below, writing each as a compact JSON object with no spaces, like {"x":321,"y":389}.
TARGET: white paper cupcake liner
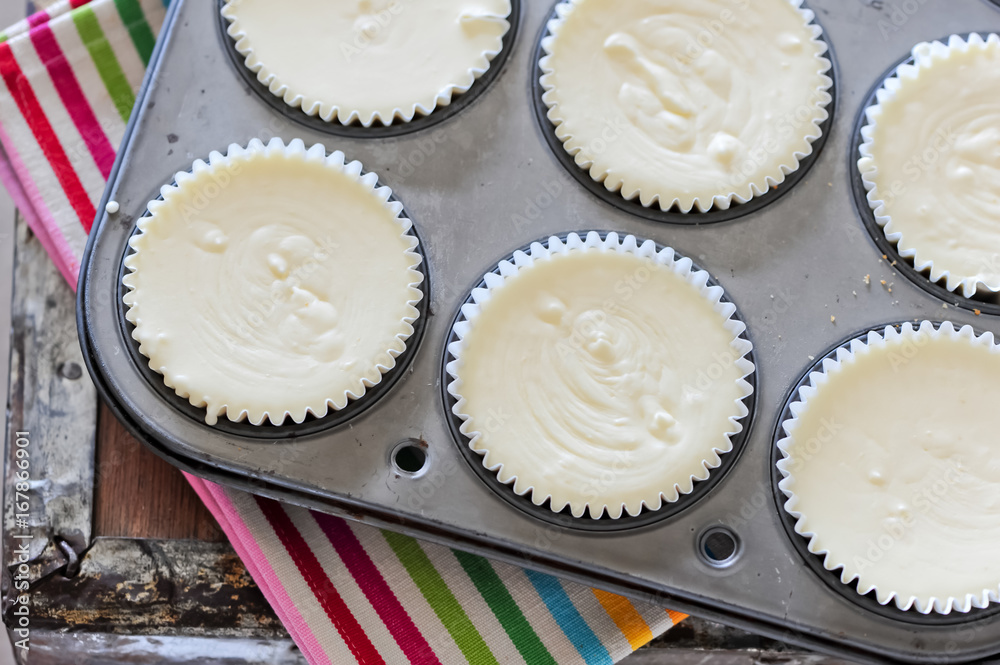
{"x":332,"y":111}
{"x":628,"y":244}
{"x":924,"y":55}
{"x":906,"y":337}
{"x":723,"y":200}
{"x":295,"y":150}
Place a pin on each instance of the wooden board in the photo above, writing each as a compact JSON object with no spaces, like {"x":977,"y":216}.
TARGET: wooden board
{"x":138,"y":495}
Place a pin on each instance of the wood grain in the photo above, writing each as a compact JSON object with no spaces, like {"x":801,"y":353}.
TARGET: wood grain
{"x":138,"y":495}
{"x":52,"y":404}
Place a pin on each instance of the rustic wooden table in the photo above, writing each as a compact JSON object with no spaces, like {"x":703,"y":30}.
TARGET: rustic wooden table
{"x":125,"y":563}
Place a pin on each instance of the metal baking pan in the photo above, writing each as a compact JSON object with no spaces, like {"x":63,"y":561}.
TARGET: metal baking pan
{"x":481,"y":179}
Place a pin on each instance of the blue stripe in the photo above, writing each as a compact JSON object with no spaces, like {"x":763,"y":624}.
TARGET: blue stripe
{"x":569,"y":619}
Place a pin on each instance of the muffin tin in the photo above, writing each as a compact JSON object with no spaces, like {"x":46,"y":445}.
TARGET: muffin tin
{"x":480,"y":179}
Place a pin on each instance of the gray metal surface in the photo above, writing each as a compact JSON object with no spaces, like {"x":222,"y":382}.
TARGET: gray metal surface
{"x":482,"y":184}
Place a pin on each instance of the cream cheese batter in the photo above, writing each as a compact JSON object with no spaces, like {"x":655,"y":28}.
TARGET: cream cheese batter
{"x":690,"y":102}
{"x":933,"y":160}
{"x":894,"y":464}
{"x":601,"y":379}
{"x":368,"y":60}
{"x":273,"y":282}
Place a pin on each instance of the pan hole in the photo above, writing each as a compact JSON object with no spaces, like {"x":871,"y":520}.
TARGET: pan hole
{"x":719,"y":547}
{"x":410,"y":457}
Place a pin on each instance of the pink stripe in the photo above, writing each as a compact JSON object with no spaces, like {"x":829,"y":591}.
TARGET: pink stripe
{"x":73,"y":98}
{"x":321,"y":584}
{"x":21,"y":202}
{"x":17,"y":178}
{"x":38,"y":18}
{"x":376,"y":590}
{"x":34,"y":115}
{"x":260,"y":569}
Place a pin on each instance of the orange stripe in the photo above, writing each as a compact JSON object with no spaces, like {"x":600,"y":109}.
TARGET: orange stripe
{"x":625,"y":616}
{"x":676,"y":617}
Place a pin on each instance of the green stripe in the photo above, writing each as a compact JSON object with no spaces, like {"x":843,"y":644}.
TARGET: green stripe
{"x":105,"y":60}
{"x":496,"y":595}
{"x":3,"y":37}
{"x":142,"y":36}
{"x":440,"y":598}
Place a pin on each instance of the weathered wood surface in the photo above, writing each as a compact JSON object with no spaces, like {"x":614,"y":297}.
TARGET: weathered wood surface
{"x":153,"y":583}
{"x":129,"y":586}
{"x":103,"y":649}
{"x":652,"y":656}
{"x":699,"y":642}
{"x":53,"y":400}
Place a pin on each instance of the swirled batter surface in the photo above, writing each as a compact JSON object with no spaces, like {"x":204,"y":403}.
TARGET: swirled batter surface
{"x":686,"y":100}
{"x":271,"y":284}
{"x":602,"y":379}
{"x":936,"y":146}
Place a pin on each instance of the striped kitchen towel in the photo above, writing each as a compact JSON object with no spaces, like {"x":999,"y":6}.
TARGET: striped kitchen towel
{"x":345,"y":591}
